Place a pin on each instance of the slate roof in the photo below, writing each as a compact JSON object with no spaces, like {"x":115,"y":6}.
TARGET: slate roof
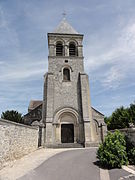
{"x":34,"y":103}
{"x":65,"y":28}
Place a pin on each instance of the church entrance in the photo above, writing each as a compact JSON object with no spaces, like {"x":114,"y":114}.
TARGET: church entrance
{"x":67,"y":133}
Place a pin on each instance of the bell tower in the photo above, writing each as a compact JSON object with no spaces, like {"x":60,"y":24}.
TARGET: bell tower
{"x":66,"y":103}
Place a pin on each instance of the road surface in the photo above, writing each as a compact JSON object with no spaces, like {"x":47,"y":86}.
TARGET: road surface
{"x":73,"y":165}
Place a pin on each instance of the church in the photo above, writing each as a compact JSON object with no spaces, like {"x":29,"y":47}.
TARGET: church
{"x":65,"y":115}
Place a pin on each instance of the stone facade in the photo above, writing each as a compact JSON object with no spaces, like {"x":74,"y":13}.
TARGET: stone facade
{"x":16,"y":140}
{"x":99,"y":125}
{"x":67,"y":115}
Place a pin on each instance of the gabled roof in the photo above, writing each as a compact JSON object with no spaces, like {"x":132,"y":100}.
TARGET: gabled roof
{"x":97,"y":111}
{"x":33,"y":104}
{"x":65,"y":28}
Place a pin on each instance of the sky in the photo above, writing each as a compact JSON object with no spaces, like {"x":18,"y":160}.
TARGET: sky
{"x":109,"y":49}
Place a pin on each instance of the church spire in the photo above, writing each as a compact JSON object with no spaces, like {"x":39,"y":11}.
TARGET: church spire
{"x":64,"y":27}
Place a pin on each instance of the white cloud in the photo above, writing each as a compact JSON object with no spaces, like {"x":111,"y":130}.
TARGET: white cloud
{"x":1,"y":62}
{"x":113,"y":77}
{"x":116,"y":62}
{"x":27,"y":67}
{"x":126,"y":42}
{"x":16,"y":65}
{"x":3,"y":22}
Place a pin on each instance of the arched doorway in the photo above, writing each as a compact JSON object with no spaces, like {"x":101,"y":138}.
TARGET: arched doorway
{"x":66,"y":126}
{"x":67,"y":133}
{"x":69,"y":130}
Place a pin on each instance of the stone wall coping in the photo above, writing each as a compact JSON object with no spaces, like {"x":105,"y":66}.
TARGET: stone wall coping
{"x":4,"y":121}
{"x":125,"y":130}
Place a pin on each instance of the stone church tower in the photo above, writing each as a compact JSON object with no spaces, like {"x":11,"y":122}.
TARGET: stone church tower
{"x":67,"y":115}
{"x":67,"y":110}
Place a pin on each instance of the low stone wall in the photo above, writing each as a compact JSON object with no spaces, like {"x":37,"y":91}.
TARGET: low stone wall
{"x":16,"y":140}
{"x":130,"y":132}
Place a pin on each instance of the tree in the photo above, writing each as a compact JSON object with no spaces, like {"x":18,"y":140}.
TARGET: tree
{"x":108,"y":122}
{"x":119,"y":119}
{"x":12,"y":116}
{"x":112,"y":152}
{"x":131,"y":111}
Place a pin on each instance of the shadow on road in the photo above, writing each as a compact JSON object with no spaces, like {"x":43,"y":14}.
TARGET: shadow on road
{"x":97,"y":163}
{"x":114,"y":173}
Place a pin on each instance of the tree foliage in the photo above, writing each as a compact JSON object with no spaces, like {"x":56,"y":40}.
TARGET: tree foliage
{"x":112,"y":152}
{"x":121,"y":118}
{"x":131,"y":112}
{"x":130,"y":148}
{"x":12,"y":116}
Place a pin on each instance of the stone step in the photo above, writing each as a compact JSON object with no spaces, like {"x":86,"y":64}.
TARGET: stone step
{"x":65,"y":145}
{"x":72,"y":145}
{"x":92,"y":144}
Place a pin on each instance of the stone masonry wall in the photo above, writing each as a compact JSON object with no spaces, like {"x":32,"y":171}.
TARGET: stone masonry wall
{"x":16,"y":140}
{"x":65,"y":93}
{"x":130,"y":132}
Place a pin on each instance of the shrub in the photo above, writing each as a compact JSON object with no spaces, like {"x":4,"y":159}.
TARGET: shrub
{"x":112,"y":152}
{"x":130,"y":151}
{"x":131,"y":156}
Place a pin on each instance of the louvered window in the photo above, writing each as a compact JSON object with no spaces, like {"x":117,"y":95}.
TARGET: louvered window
{"x":72,"y":50}
{"x":59,"y":49}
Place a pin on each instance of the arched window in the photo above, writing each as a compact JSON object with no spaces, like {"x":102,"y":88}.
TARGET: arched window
{"x":59,"y":49}
{"x":66,"y":74}
{"x":72,"y":49}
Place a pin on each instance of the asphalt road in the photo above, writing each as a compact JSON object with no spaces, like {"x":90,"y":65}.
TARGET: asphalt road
{"x":71,"y":165}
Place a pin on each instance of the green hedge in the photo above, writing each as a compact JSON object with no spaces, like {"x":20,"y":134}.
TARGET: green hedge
{"x":112,"y":152}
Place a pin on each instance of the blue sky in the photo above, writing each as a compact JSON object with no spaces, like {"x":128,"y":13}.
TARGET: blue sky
{"x":109,"y":49}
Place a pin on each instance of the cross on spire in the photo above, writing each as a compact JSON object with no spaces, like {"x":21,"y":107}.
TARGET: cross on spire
{"x":64,"y":15}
